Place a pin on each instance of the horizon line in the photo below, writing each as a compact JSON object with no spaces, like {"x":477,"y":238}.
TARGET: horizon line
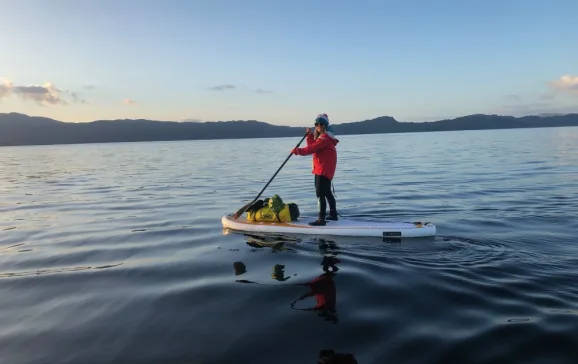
{"x":193,"y":121}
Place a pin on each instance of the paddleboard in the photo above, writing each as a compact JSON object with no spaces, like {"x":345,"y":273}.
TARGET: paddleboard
{"x":341,"y":227}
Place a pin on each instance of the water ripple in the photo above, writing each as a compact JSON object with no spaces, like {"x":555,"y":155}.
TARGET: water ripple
{"x":114,"y":253}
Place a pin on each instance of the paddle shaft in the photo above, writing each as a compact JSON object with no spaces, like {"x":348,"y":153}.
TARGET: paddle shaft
{"x":244,"y":208}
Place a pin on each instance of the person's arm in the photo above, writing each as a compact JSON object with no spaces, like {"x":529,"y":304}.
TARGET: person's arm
{"x":310,"y":139}
{"x":322,"y":142}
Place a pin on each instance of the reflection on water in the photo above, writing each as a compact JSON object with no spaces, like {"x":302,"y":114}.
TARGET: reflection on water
{"x":332,"y":357}
{"x":322,"y":288}
{"x":52,"y":271}
{"x":468,"y":267}
{"x":115,"y":253}
{"x":277,"y":243}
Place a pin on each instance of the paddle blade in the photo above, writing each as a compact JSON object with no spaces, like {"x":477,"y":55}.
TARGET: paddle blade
{"x":242,"y":210}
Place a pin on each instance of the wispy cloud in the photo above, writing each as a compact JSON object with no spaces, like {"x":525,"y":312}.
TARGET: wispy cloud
{"x":527,"y":108}
{"x":566,"y":84}
{"x":89,"y":87}
{"x":261,"y":91}
{"x":77,"y":99}
{"x":227,"y":87}
{"x":223,"y":87}
{"x":547,"y":97}
{"x":5,"y":88}
{"x":129,"y":102}
{"x":536,"y":108}
{"x":513,"y":98}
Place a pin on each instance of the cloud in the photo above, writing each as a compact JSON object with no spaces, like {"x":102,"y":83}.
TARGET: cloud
{"x":46,"y":94}
{"x":77,"y":100}
{"x":222,"y":88}
{"x":129,"y":102}
{"x":565,"y":84}
{"x":191,"y":120}
{"x":89,"y":87}
{"x":261,"y":91}
{"x":536,"y":108}
{"x":226,"y":87}
{"x":546,"y":103}
{"x":5,"y":88}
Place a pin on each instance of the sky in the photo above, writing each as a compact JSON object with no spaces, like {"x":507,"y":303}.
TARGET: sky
{"x":284,"y":62}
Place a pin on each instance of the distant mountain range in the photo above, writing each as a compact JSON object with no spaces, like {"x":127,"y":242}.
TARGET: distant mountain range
{"x":20,"y":129}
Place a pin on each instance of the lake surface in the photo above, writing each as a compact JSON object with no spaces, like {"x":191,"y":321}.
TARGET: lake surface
{"x":114,"y":253}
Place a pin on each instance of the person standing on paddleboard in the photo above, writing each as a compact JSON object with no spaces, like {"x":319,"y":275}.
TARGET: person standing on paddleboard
{"x":322,"y":146}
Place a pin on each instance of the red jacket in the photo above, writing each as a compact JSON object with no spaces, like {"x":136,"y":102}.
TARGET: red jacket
{"x":324,"y":153}
{"x":323,"y":288}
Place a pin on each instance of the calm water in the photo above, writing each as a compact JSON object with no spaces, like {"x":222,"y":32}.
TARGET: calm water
{"x":114,"y":253}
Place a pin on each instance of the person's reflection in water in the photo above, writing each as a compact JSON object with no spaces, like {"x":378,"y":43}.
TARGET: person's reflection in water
{"x":331,"y":357}
{"x":330,"y":262}
{"x":240,"y":268}
{"x":329,"y":250}
{"x":276,"y":243}
{"x":278,"y":273}
{"x":327,"y":247}
{"x":323,"y":288}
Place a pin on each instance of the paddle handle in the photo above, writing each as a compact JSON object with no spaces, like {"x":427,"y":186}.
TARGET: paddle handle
{"x":242,"y":210}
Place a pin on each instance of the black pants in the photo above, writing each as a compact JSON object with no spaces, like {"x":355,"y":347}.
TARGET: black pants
{"x":323,"y":192}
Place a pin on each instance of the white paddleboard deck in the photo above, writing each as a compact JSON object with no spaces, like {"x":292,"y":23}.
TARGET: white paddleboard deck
{"x":342,"y":227}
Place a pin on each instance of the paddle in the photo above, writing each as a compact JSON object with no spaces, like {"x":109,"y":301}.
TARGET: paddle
{"x":244,"y":208}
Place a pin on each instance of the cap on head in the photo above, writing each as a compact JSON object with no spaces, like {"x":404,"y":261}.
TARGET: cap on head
{"x":322,"y":119}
